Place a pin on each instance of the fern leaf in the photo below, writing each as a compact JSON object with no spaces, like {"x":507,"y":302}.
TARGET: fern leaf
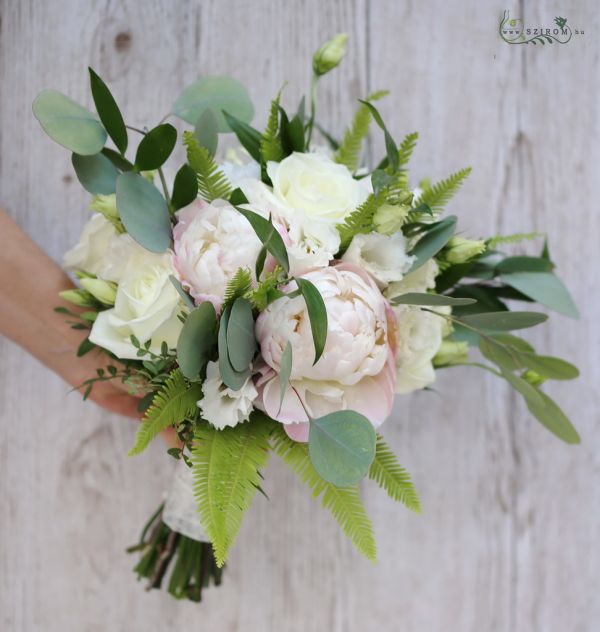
{"x":348,"y":152}
{"x":175,"y":401}
{"x":360,"y":220}
{"x":406,"y":148}
{"x":212,"y":182}
{"x":226,"y":471}
{"x":239,"y":285}
{"x":438,"y":195}
{"x":500,"y":240}
{"x":266,"y":290}
{"x":270,"y":143}
{"x":343,"y":502}
{"x":391,"y":476}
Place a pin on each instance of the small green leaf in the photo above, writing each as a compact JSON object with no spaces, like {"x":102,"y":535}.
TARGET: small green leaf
{"x":197,"y":340}
{"x":505,"y":357}
{"x":109,"y":112}
{"x":317,"y":314}
{"x":231,"y":378}
{"x":68,"y":123}
{"x":342,"y":447}
{"x":390,"y":144}
{"x":433,"y":241}
{"x":248,"y":136}
{"x":530,"y":393}
{"x":269,"y":236}
{"x":216,"y":93}
{"x":206,"y":131}
{"x":155,"y":147}
{"x":550,"y":367}
{"x":241,"y":341}
{"x":144,"y":212}
{"x":185,"y":187}
{"x":285,"y":370}
{"x":118,"y":161}
{"x":96,"y":173}
{"x":515,"y":342}
{"x":418,"y":298}
{"x":504,"y":321}
{"x":524,"y":264}
{"x":187,"y":299}
{"x":551,"y":416}
{"x":545,"y":288}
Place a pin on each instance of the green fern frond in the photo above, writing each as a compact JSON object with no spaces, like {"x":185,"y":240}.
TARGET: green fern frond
{"x":270,"y":142}
{"x":438,"y":195}
{"x":175,"y":401}
{"x":360,"y":220}
{"x":212,"y":182}
{"x":239,"y":285}
{"x":266,"y":290}
{"x":226,"y":468}
{"x":343,"y":502}
{"x":391,"y":476}
{"x":348,"y":152}
{"x":406,"y":148}
{"x":500,"y":240}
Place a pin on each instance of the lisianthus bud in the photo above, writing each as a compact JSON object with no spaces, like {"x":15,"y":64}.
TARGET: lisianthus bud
{"x":533,"y":378}
{"x":460,"y":250}
{"x":81,"y":298}
{"x":330,"y":54}
{"x":451,"y":352}
{"x":388,"y":219}
{"x":104,"y":291}
{"x":105,"y":204}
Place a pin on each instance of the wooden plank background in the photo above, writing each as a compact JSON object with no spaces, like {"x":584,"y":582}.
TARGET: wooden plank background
{"x":509,"y":536}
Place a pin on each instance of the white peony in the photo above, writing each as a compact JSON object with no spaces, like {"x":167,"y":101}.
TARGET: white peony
{"x":317,"y":185}
{"x":211,"y":242}
{"x":383,"y":257}
{"x":221,"y":406}
{"x":146,"y":306}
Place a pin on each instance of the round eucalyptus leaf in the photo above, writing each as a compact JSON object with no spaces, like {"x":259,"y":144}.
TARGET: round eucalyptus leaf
{"x":217,"y":93}
{"x":68,"y":123}
{"x":206,"y":131}
{"x":96,"y":173}
{"x":241,"y":341}
{"x":144,"y":212}
{"x":231,"y":378}
{"x":341,"y":446}
{"x":197,"y":340}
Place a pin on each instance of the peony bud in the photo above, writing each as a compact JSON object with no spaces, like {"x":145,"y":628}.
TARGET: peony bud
{"x":330,"y":54}
{"x":104,"y":291}
{"x":389,"y":218}
{"x":459,"y":250}
{"x":451,"y":352}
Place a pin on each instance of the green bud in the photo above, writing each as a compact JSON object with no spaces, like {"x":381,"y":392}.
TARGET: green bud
{"x":330,"y":54}
{"x":104,"y":291}
{"x":82,"y":298}
{"x":389,"y":218}
{"x":533,"y":378}
{"x":451,"y":352}
{"x":105,"y":204}
{"x":459,"y":250}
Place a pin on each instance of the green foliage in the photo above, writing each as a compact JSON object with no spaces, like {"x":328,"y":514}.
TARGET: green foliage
{"x":212,"y":182}
{"x":438,"y":195}
{"x":197,"y":340}
{"x":239,"y":286}
{"x":343,"y":502}
{"x":185,"y":187}
{"x":233,"y":378}
{"x":226,"y":470}
{"x":515,"y":238}
{"x":108,"y":111}
{"x":317,"y":314}
{"x":156,"y":147}
{"x":266,"y":291}
{"x":436,"y":237}
{"x":391,"y":476}
{"x":406,"y":148}
{"x":360,"y":220}
{"x":241,"y":340}
{"x":270,"y":143}
{"x":175,"y":401}
{"x":96,"y":173}
{"x":348,"y":152}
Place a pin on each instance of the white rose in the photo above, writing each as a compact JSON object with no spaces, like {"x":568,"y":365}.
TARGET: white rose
{"x":313,"y":183}
{"x":101,"y":250}
{"x":220,"y":405}
{"x":211,"y":242}
{"x":383,"y":257}
{"x":146,"y":306}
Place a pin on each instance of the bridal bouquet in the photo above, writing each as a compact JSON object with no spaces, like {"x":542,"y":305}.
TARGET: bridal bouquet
{"x":276,"y":301}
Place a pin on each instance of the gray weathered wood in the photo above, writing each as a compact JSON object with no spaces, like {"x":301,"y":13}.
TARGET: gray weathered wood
{"x":509,"y":536}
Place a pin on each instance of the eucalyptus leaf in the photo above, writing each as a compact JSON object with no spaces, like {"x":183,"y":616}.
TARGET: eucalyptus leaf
{"x":185,"y":187}
{"x":206,"y":131}
{"x":187,"y":299}
{"x":285,"y":371}
{"x":68,"y":123}
{"x":551,"y":416}
{"x":317,"y":314}
{"x":390,"y":144}
{"x":504,"y":321}
{"x":341,"y":447}
{"x":108,"y":111}
{"x":231,"y":378}
{"x":531,"y":394}
{"x":155,"y":147}
{"x":217,"y":93}
{"x":247,"y":135}
{"x":144,"y":212}
{"x":433,"y":241}
{"x":241,"y":340}
{"x":515,"y":342}
{"x":96,"y":173}
{"x":118,"y":161}
{"x":550,"y":367}
{"x":418,"y":298}
{"x":197,"y":340}
{"x":505,"y":357}
{"x":545,"y":288}
{"x":524,"y":264}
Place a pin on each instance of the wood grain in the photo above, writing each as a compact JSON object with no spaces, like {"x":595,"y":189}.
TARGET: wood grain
{"x":509,"y":536}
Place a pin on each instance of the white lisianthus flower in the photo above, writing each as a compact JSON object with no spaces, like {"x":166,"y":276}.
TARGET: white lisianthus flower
{"x":146,"y":306}
{"x":221,"y":406}
{"x":383,"y":257}
{"x":420,"y":280}
{"x":317,"y":185}
{"x":101,"y":250}
{"x":211,"y":242}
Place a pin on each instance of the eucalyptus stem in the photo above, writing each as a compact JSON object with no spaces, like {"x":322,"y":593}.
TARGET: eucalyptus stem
{"x":163,"y":183}
{"x":313,"y":108}
{"x":136,"y":129}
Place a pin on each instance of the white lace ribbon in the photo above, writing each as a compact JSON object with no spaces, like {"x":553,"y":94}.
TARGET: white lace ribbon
{"x":181,"y":511}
